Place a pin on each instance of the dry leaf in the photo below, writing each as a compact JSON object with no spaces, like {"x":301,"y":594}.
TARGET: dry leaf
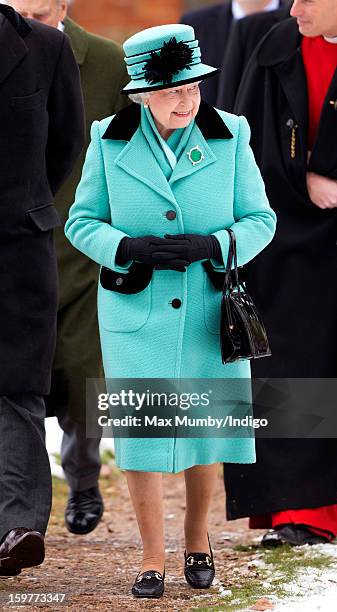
{"x":263,"y":604}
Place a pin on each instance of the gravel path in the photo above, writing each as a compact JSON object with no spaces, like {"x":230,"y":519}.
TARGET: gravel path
{"x":97,"y":571}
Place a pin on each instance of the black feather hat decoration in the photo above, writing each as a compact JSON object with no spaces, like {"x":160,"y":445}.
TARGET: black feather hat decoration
{"x":172,"y":58}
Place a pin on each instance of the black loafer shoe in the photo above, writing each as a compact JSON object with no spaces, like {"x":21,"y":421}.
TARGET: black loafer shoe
{"x":20,"y":548}
{"x":294,"y":535}
{"x":148,"y":584}
{"x":199,"y":569}
{"x":84,"y":511}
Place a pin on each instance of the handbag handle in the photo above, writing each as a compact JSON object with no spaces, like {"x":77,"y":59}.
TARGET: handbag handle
{"x":232,"y":254}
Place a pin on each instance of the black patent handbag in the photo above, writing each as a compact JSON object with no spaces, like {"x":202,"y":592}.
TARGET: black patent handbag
{"x":242,"y":333}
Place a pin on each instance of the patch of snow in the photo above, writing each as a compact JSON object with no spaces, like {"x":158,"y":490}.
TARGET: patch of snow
{"x":267,"y":585}
{"x":224,"y":592}
{"x":259,"y":563}
{"x":313,"y":589}
{"x":323,"y":549}
{"x":231,"y":535}
{"x":55,"y":468}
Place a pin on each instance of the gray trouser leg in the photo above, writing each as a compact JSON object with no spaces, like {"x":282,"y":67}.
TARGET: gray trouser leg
{"x":79,"y":455}
{"x":25,"y":479}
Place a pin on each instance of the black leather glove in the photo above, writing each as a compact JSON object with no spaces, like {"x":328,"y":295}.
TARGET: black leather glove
{"x":151,"y":250}
{"x":195,"y":247}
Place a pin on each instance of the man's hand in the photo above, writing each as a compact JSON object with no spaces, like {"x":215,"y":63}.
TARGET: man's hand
{"x":322,"y":190}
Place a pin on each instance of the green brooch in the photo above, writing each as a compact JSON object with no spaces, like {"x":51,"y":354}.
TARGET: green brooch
{"x":195,"y":155}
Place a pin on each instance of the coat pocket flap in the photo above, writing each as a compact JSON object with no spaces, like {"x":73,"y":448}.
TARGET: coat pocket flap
{"x":134,"y":281}
{"x":45,"y":217}
{"x":31,"y":102}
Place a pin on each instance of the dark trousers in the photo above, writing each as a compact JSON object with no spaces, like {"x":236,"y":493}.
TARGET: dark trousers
{"x":79,"y":454}
{"x":25,"y":479}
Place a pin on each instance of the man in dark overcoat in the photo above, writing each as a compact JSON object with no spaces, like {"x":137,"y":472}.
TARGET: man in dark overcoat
{"x":78,"y":356}
{"x":289,"y":95}
{"x":41,"y":135}
{"x":212,"y":26}
{"x":245,"y":35}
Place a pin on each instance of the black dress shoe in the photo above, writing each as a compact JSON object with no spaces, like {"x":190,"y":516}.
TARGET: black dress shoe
{"x":199,"y":569}
{"x":84,"y":510}
{"x":20,"y":548}
{"x":294,"y":535}
{"x":148,"y":584}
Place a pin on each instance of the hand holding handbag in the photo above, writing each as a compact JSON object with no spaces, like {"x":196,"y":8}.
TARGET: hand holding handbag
{"x":242,"y":333}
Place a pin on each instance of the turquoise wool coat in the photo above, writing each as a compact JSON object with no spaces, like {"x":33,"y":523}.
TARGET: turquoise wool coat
{"x":123,"y":192}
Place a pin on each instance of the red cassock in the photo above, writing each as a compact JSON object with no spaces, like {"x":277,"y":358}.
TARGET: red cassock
{"x":320,"y":62}
{"x":321,"y":521}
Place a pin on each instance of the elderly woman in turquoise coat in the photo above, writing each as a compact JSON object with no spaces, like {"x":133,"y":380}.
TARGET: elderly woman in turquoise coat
{"x":162,"y":181}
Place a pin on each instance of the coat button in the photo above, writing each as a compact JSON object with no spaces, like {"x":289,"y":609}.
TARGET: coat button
{"x":176,"y":303}
{"x":171,"y":215}
{"x":119,"y":281}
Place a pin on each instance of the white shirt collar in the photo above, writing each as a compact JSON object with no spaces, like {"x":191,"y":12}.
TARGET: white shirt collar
{"x":60,"y":26}
{"x":238,"y":13}
{"x":331,"y":40}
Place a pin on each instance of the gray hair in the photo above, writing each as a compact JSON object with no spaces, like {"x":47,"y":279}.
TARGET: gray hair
{"x":139,"y":98}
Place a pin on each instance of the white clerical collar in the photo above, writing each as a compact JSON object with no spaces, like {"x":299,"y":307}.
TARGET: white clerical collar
{"x":238,"y":13}
{"x":60,"y":26}
{"x":332,"y":40}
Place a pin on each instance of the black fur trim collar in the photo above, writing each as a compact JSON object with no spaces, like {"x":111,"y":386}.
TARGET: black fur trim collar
{"x":125,"y":123}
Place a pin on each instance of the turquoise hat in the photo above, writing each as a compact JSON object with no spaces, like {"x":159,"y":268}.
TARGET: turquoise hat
{"x":164,"y":56}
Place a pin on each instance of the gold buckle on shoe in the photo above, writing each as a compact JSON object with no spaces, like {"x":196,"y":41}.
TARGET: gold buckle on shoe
{"x":142,"y":577}
{"x":208,"y":561}
{"x":190,"y":560}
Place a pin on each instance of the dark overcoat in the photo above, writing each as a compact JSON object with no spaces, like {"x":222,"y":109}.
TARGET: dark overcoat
{"x":245,"y":35}
{"x":78,"y":356}
{"x":294,"y":280}
{"x":41,"y":134}
{"x":212,"y":25}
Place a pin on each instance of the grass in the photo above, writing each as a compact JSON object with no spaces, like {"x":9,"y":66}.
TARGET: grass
{"x":285,"y":561}
{"x":243,"y":596}
{"x":60,"y":496}
{"x":107,"y":457}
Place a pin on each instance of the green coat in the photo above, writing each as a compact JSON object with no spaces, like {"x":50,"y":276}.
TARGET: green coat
{"x":103,"y":75}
